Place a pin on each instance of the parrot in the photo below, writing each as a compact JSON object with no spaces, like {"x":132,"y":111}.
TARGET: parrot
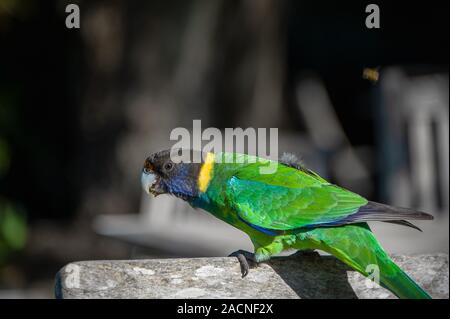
{"x":289,"y":208}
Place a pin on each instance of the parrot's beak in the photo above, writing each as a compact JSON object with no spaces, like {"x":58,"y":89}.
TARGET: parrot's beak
{"x":148,"y":180}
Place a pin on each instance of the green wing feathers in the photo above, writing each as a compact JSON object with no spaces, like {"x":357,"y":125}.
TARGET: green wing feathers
{"x":286,"y":208}
{"x":292,"y":198}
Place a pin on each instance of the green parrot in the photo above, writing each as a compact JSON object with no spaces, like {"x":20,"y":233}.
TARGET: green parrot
{"x":289,"y":208}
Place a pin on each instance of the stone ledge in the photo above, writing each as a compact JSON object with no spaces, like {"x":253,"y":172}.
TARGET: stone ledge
{"x":308,"y":276}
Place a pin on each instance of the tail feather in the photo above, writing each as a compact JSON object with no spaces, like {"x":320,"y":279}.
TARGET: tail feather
{"x":401,"y":284}
{"x":403,"y":223}
{"x":356,"y":245}
{"x":373,"y":211}
{"x":383,"y":212}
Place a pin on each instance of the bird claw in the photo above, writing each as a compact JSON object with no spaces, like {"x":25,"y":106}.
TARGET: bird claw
{"x":244,"y":257}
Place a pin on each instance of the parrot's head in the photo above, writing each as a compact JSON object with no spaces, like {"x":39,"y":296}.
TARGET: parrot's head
{"x":162,"y":175}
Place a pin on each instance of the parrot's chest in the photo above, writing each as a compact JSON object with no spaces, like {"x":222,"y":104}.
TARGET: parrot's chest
{"x":219,"y":210}
{"x":226,"y":213}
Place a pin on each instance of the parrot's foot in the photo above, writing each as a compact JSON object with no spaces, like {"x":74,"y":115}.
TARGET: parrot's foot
{"x":244,"y":257}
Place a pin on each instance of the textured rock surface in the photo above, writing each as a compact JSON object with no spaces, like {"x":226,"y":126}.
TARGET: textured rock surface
{"x":309,"y":276}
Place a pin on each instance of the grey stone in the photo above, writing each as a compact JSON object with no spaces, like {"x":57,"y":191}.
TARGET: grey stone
{"x":298,"y":276}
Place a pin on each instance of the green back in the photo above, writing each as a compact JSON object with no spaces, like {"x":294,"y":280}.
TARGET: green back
{"x":286,"y":199}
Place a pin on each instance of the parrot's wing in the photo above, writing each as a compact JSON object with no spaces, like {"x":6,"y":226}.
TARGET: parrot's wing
{"x":270,"y":203}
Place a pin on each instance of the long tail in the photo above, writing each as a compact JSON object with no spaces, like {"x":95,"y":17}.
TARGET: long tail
{"x":373,"y":211}
{"x":401,"y":284}
{"x":356,"y":246}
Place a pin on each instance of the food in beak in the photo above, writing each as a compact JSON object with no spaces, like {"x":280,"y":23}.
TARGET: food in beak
{"x":147,"y":181}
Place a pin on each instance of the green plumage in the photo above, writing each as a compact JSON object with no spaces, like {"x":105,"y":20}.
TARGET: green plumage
{"x":296,"y":208}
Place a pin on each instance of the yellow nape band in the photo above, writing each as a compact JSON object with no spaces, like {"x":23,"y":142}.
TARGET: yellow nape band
{"x":206,"y":172}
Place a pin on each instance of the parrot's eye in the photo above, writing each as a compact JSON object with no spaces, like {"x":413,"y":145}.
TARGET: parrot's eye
{"x":168,"y":166}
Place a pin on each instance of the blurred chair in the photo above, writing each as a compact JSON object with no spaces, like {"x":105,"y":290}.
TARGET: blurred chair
{"x":413,"y":157}
{"x":414,"y":138}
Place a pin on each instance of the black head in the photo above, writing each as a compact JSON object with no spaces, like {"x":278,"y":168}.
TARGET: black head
{"x":172,"y":173}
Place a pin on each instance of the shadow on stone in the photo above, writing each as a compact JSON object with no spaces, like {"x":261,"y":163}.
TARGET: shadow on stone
{"x":314,"y":276}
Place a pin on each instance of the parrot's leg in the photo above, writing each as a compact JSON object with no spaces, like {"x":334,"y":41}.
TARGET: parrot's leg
{"x":265,"y":250}
{"x":262,"y":253}
{"x":244,"y":257}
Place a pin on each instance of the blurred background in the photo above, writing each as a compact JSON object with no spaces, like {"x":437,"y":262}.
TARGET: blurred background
{"x":80,"y":109}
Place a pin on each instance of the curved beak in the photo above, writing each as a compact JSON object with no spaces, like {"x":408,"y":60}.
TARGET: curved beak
{"x":148,"y":179}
